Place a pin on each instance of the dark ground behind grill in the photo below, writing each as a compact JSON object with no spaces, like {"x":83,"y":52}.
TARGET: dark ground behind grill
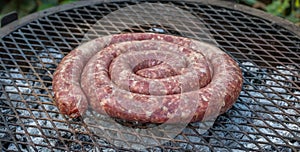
{"x":266,"y":116}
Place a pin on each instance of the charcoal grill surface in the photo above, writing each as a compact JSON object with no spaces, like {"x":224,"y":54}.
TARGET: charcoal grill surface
{"x":266,"y":116}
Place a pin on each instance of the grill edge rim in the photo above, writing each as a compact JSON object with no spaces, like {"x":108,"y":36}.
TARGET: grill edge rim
{"x":274,"y":20}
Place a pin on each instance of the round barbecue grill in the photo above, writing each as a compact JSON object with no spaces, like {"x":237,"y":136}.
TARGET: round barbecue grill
{"x":266,"y":116}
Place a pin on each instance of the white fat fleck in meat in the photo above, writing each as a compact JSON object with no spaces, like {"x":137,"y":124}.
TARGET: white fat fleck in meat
{"x":103,"y":102}
{"x":165,"y":108}
{"x":204,"y":98}
{"x":79,"y":99}
{"x":148,"y":113}
{"x":185,"y":114}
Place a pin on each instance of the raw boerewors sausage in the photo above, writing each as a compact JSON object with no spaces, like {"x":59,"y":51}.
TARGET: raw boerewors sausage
{"x":147,"y":77}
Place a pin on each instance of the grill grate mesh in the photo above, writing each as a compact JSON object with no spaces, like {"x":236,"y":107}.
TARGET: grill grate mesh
{"x":266,"y":116}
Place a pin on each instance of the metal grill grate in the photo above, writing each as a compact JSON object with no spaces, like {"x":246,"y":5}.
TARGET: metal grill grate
{"x":266,"y":116}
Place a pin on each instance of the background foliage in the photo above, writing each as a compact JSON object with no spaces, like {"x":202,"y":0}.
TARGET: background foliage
{"x":25,"y":7}
{"x":288,"y":9}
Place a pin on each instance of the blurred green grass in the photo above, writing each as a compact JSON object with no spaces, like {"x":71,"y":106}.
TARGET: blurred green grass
{"x":288,"y":9}
{"x":25,"y":7}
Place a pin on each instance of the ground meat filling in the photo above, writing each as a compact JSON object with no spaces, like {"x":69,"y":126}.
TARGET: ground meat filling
{"x":147,"y":77}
